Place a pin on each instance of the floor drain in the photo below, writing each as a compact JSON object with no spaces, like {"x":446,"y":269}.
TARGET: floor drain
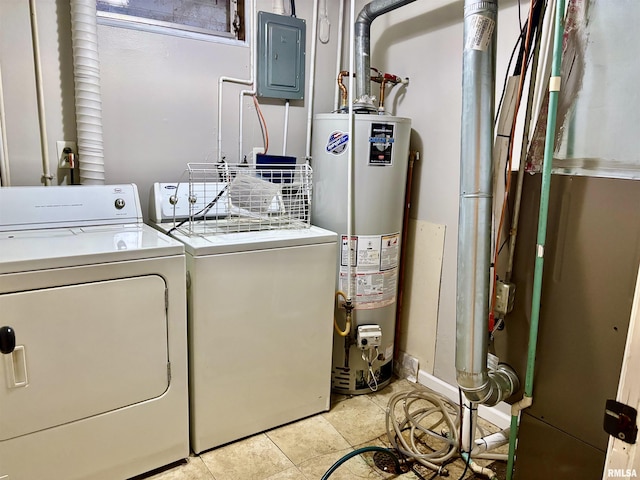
{"x":384,"y":462}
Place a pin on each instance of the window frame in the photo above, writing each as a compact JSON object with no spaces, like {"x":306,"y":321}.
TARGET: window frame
{"x":133,"y":22}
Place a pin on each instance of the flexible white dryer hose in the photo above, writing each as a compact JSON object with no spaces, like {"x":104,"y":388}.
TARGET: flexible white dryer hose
{"x":88,"y":99}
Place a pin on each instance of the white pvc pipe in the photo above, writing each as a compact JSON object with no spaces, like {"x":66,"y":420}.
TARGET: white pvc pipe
{"x":312,"y":77}
{"x":278,"y":7}
{"x":490,"y":442}
{"x":350,"y":166}
{"x":469,"y":422}
{"x":5,"y":178}
{"x":240,"y":81}
{"x":503,"y":457}
{"x":286,"y":128}
{"x":88,"y":98}
{"x":336,"y":94}
{"x":241,"y":118}
{"x":46,"y":173}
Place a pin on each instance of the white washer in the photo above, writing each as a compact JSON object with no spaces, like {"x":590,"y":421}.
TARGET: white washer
{"x":96,"y":387}
{"x":260,"y":325}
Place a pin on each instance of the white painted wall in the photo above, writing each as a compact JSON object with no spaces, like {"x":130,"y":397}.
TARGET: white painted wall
{"x":423,"y":41}
{"x":159,"y":96}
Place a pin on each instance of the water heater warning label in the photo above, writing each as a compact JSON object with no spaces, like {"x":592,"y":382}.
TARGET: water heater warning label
{"x":381,"y":144}
{"x":374,"y":269}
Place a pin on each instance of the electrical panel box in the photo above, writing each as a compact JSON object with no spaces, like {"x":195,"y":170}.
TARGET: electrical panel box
{"x":281,"y":56}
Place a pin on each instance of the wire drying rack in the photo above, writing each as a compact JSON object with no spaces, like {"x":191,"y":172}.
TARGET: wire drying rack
{"x":227,"y":198}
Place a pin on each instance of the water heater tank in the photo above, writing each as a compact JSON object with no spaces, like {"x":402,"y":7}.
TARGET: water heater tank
{"x":381,"y":150}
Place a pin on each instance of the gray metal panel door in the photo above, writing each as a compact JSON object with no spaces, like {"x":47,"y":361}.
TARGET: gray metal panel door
{"x":592,"y":255}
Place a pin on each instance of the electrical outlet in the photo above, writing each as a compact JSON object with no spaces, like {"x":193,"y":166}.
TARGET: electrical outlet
{"x":63,"y":161}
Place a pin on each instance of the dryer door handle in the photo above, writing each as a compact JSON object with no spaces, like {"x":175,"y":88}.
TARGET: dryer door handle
{"x":7,"y":340}
{"x":15,"y":365}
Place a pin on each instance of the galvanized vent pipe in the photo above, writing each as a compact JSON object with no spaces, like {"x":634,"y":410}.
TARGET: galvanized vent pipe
{"x":479,"y":384}
{"x":367,"y":15}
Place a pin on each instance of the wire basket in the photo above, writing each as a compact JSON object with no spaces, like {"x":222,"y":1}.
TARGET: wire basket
{"x":226,"y":198}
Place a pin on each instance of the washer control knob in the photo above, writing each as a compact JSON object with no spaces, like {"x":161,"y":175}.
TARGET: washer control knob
{"x":119,"y":203}
{"x":7,"y":340}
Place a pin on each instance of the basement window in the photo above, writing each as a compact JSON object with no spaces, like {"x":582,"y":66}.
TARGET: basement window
{"x":202,"y":19}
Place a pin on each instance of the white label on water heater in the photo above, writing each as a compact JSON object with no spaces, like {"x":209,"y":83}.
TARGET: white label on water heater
{"x":374,"y":268}
{"x":480,"y":31}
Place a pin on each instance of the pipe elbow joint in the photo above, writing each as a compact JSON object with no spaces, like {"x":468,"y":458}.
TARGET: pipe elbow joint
{"x":491,"y":388}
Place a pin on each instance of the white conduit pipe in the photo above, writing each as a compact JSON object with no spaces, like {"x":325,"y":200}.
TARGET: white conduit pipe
{"x":336,"y":94}
{"x":469,"y":424}
{"x":44,"y":143}
{"x":312,"y":78}
{"x":278,"y":7}
{"x":286,"y":128}
{"x":88,"y":98}
{"x":490,"y":442}
{"x":240,"y":81}
{"x":252,"y":91}
{"x":241,"y":117}
{"x":5,"y":178}
{"x":352,"y":15}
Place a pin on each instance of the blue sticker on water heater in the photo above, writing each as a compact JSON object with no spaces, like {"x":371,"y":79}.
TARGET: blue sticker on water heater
{"x":337,"y":142}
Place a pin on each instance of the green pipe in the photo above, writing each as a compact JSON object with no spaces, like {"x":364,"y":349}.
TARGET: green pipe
{"x":554,"y":91}
{"x":354,"y":453}
{"x":513,"y":435}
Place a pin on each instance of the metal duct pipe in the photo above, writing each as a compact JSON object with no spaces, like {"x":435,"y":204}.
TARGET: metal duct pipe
{"x":86,"y":73}
{"x":474,"y":225}
{"x":362,"y":40}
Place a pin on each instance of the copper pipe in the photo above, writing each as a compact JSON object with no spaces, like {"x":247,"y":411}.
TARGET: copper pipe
{"x":413,"y":156}
{"x":381,"y":103}
{"x":343,"y":89}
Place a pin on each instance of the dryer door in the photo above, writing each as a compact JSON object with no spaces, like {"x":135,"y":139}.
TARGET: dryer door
{"x":82,"y":350}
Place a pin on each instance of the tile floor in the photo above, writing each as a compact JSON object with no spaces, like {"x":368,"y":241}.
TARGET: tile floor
{"x":306,"y":449}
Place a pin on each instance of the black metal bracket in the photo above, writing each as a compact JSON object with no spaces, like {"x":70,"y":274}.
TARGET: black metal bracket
{"x":620,"y":421}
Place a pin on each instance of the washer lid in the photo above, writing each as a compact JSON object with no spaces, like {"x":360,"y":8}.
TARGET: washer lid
{"x":209,"y":244}
{"x":22,"y":251}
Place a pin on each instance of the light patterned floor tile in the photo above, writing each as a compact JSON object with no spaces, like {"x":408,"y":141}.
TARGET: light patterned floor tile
{"x":307,"y":438}
{"x":357,"y":419}
{"x":290,"y":474}
{"x":255,"y":458}
{"x":192,"y":469}
{"x":315,"y":444}
{"x":382,"y":397}
{"x":355,"y":468}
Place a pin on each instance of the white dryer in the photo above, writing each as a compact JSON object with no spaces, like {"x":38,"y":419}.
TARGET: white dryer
{"x":96,"y":386}
{"x":260,"y":322}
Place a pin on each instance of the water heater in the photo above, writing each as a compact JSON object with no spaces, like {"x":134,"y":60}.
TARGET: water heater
{"x":363,"y":360}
